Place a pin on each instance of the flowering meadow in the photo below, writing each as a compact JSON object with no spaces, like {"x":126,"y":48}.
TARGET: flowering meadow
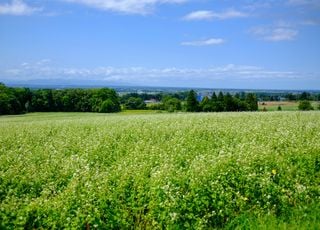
{"x":160,"y":171}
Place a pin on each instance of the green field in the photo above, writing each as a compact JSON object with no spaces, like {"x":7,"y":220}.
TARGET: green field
{"x":285,"y":105}
{"x":160,"y":171}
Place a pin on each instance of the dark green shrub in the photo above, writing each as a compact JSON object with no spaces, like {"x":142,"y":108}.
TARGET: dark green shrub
{"x":305,"y":105}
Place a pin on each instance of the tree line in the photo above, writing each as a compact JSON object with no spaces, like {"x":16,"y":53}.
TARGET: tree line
{"x":303,"y":96}
{"x":190,"y":102}
{"x":222,"y":102}
{"x":105,"y":100}
{"x":23,"y":100}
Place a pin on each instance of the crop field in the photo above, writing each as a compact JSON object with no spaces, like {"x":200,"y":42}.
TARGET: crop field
{"x":160,"y":171}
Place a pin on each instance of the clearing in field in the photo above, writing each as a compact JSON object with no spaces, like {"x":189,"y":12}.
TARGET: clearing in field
{"x":156,"y":171}
{"x":285,"y":105}
{"x":274,"y":105}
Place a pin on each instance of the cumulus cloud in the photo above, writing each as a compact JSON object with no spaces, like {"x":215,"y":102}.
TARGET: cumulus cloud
{"x":209,"y":15}
{"x":207,"y":42}
{"x":17,"y":8}
{"x":125,"y":6}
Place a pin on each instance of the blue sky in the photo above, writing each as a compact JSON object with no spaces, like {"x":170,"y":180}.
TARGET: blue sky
{"x":262,"y":44}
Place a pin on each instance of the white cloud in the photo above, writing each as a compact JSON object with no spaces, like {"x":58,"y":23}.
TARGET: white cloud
{"x":208,"y":15}
{"x":280,"y":32}
{"x":207,"y":42}
{"x":125,"y":6}
{"x":42,"y":71}
{"x":199,"y":15}
{"x":17,"y":8}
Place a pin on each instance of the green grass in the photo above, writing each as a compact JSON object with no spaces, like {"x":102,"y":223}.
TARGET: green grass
{"x":155,"y":171}
{"x":283,"y":108}
{"x":133,"y":112}
{"x":285,"y":105}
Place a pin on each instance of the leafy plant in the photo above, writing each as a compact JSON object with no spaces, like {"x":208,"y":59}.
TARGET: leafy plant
{"x":159,"y":171}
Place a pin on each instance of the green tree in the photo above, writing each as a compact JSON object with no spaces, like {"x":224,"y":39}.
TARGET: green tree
{"x":230,"y":103}
{"x":100,"y":95}
{"x":135,"y":103}
{"x":214,"y":97}
{"x":291,"y":97}
{"x":192,"y":102}
{"x":252,"y":102}
{"x":42,"y":100}
{"x":108,"y":106}
{"x":11,"y":101}
{"x":218,"y":102}
{"x":206,"y":105}
{"x":305,"y":105}
{"x":172,"y":104}
{"x":220,"y":97}
{"x":304,"y":96}
{"x":240,"y":105}
{"x":5,"y":107}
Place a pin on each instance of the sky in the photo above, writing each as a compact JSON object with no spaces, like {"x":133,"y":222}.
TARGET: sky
{"x":245,"y":44}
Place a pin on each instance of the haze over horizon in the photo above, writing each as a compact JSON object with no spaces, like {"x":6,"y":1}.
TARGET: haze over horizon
{"x":263,"y":44}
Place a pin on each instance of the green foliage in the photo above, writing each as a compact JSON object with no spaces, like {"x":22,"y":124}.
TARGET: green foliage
{"x":108,"y":106}
{"x":143,"y":96}
{"x":171,"y":104}
{"x":230,"y":103}
{"x":160,"y":171}
{"x":227,"y":103}
{"x":156,"y":106}
{"x":206,"y":105}
{"x":304,"y":96}
{"x":305,"y":105}
{"x":192,"y":103}
{"x":279,"y":108}
{"x":135,"y":103}
{"x":21,"y":100}
{"x":214,"y":97}
{"x":220,"y":97}
{"x":298,"y":219}
{"x":101,"y":95}
{"x":252,"y":102}
{"x":13,"y":101}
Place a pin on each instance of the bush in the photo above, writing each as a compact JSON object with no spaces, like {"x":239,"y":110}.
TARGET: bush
{"x":156,"y":106}
{"x":305,"y":105}
{"x":108,"y":107}
{"x":172,"y":104}
{"x":135,"y":103}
